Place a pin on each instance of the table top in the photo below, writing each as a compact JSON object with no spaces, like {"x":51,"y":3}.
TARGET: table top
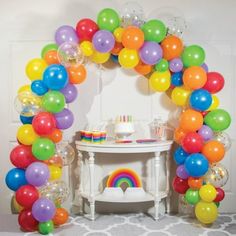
{"x":112,"y":147}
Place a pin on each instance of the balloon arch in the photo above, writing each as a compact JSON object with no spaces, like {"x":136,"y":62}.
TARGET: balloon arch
{"x":169,"y":66}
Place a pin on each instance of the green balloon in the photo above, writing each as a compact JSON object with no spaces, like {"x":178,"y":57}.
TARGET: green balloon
{"x":154,"y":30}
{"x":48,"y":47}
{"x":193,"y":55}
{"x":46,"y":227}
{"x":218,"y":120}
{"x":53,"y":101}
{"x":162,"y":65}
{"x":43,"y":148}
{"x":217,"y":204}
{"x":108,"y":19}
{"x":192,"y":196}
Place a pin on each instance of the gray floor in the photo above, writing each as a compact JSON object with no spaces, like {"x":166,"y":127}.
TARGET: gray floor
{"x":131,"y":225}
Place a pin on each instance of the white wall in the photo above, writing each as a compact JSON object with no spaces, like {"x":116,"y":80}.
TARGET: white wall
{"x":26,"y":26}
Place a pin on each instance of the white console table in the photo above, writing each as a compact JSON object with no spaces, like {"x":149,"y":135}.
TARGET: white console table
{"x":111,"y":147}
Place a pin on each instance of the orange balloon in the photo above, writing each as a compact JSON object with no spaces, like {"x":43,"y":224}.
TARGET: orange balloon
{"x":55,"y":160}
{"x":214,"y":151}
{"x":142,"y":68}
{"x":51,"y":57}
{"x":77,"y":74}
{"x":179,"y":135}
{"x":172,"y":47}
{"x":117,"y":48}
{"x":191,"y":120}
{"x":194,"y":77}
{"x":61,"y":216}
{"x":55,"y":136}
{"x":195,"y":183}
{"x":133,"y":37}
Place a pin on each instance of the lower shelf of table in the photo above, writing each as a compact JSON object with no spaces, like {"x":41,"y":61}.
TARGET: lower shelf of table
{"x":147,"y":198}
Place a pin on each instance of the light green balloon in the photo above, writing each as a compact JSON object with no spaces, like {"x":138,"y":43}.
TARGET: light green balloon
{"x":162,"y":65}
{"x":192,"y":196}
{"x":43,"y":148}
{"x":53,"y":101}
{"x":46,"y":227}
{"x":218,"y":120}
{"x":48,"y":47}
{"x":154,"y":30}
{"x":108,"y":19}
{"x":193,"y":55}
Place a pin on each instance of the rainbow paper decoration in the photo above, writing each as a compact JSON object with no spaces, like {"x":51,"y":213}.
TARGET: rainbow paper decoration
{"x":124,"y":175}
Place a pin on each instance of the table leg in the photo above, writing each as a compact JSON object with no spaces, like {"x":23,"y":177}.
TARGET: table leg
{"x":91,"y":196}
{"x":168,"y":163}
{"x":157,"y":199}
{"x":80,"y":198}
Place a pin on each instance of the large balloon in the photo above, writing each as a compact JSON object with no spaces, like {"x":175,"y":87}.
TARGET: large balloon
{"x":150,"y":53}
{"x":108,"y":19}
{"x":70,"y":92}
{"x":26,"y":134}
{"x":192,"y":142}
{"x":66,"y":33}
{"x":207,"y":193}
{"x":206,"y":132}
{"x":154,"y":30}
{"x":160,"y":81}
{"x":39,"y":87}
{"x":180,"y":156}
{"x":26,"y":221}
{"x":43,"y":209}
{"x":37,"y":174}
{"x":15,"y":178}
{"x":193,"y":55}
{"x":44,"y":123}
{"x":64,"y":119}
{"x":180,"y":95}
{"x":35,"y":68}
{"x":200,"y":99}
{"x":196,"y":165}
{"x":218,"y":120}
{"x":128,"y":58}
{"x":55,"y":77}
{"x":192,"y":196}
{"x":180,"y":185}
{"x":86,"y":28}
{"x":21,"y":156}
{"x":77,"y":74}
{"x":215,"y":82}
{"x":53,"y":101}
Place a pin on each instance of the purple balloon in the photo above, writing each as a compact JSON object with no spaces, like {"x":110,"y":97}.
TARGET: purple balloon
{"x":70,"y":92}
{"x":103,"y":41}
{"x":181,"y":172}
{"x":150,"y":53}
{"x":66,"y":33}
{"x":176,"y":65}
{"x":64,"y":119}
{"x":43,"y":209}
{"x":205,"y":67}
{"x":206,"y":132}
{"x":37,"y":174}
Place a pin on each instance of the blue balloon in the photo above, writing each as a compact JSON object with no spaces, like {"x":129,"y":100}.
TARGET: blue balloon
{"x":114,"y":58}
{"x":38,"y":87}
{"x":196,"y":165}
{"x":26,"y":119}
{"x":180,"y":156}
{"x":55,"y":77}
{"x":200,"y":100}
{"x":15,"y":178}
{"x":177,"y":79}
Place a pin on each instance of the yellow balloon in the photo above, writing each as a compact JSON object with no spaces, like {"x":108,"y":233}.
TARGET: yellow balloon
{"x":87,"y":48}
{"x":206,"y":212}
{"x":180,"y":96}
{"x":99,"y":57}
{"x":24,"y":88}
{"x":207,"y":193}
{"x":118,"y":34}
{"x":55,"y":172}
{"x":35,"y":68}
{"x":160,"y":81}
{"x":128,"y":58}
{"x":17,"y":207}
{"x":215,"y":103}
{"x":26,"y":134}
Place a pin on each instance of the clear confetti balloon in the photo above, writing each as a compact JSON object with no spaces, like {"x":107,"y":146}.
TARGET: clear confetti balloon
{"x":57,"y":191}
{"x":27,"y":103}
{"x":223,"y":138}
{"x":131,"y":14}
{"x":217,"y":175}
{"x":70,"y":54}
{"x":66,"y":152}
{"x":184,"y":207}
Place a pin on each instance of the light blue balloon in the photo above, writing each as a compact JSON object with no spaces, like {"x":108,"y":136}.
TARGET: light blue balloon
{"x":180,"y":156}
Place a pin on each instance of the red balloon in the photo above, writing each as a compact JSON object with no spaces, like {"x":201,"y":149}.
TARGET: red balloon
{"x":26,"y":195}
{"x":215,"y":82}
{"x":27,"y":221}
{"x":86,"y":28}
{"x":21,"y":156}
{"x":204,"y":113}
{"x":180,"y":185}
{"x":220,"y":195}
{"x":192,"y":142}
{"x":44,"y":123}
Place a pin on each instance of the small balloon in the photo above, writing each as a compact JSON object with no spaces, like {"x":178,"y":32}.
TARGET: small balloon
{"x":26,"y":134}
{"x":66,"y":152}
{"x":160,"y":81}
{"x":77,"y":74}
{"x":15,"y":178}
{"x":215,"y":82}
{"x":39,"y":87}
{"x":176,"y":65}
{"x":207,"y":193}
{"x":26,"y":221}
{"x":180,"y":185}
{"x":64,"y":119}
{"x":61,"y":216}
{"x":181,"y":172}
{"x":70,"y":92}
{"x":206,"y":132}
{"x":192,"y":196}
{"x":35,"y":68}
{"x":180,"y":156}
{"x":46,"y":227}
